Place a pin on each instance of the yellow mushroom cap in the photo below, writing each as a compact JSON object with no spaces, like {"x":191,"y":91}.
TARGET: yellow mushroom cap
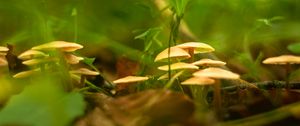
{"x":177,"y":66}
{"x":72,"y":59}
{"x":174,"y":53}
{"x":84,"y":71}
{"x":33,"y":62}
{"x":216,"y":73}
{"x":62,"y":45}
{"x":130,"y":79}
{"x":25,"y":74}
{"x":31,"y":54}
{"x":283,"y":59}
{"x":3,"y":49}
{"x":209,"y":62}
{"x":197,"y":46}
{"x":3,"y":61}
{"x":198,"y":81}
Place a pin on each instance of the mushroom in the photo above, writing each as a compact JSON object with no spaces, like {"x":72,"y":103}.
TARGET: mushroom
{"x":72,"y":59}
{"x":61,"y":45}
{"x":174,"y":53}
{"x":195,"y":48}
{"x":33,"y":62}
{"x":125,"y":81}
{"x":286,"y":60}
{"x":216,"y":73}
{"x":209,"y":62}
{"x":3,"y":49}
{"x":27,"y":73}
{"x":198,"y":81}
{"x":83,"y":72}
{"x":29,"y":54}
{"x":177,"y":66}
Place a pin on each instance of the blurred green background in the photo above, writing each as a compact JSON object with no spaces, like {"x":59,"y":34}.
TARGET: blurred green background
{"x":243,"y":31}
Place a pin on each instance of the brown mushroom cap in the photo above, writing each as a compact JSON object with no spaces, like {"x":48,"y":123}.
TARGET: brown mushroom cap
{"x":197,"y":46}
{"x":84,"y":71}
{"x":174,"y":53}
{"x":283,"y":59}
{"x":216,"y":73}
{"x":130,"y":79}
{"x":209,"y":62}
{"x":3,"y":61}
{"x":72,"y":59}
{"x":3,"y":49}
{"x":177,"y":66}
{"x":29,"y":54}
{"x":25,"y":74}
{"x":62,"y":45}
{"x":198,"y":81}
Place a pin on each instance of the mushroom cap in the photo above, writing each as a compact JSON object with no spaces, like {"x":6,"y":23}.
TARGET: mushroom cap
{"x":177,"y":66}
{"x":163,"y":77}
{"x":174,"y":53}
{"x":283,"y":59}
{"x":216,"y":73}
{"x":130,"y":79}
{"x":72,"y":59}
{"x":3,"y":61}
{"x":209,"y":62}
{"x":31,"y":54}
{"x":33,"y":62}
{"x":3,"y":49}
{"x":3,"y":53}
{"x":84,"y":71}
{"x":27,"y":73}
{"x":62,"y":45}
{"x":197,"y":46}
{"x":198,"y":81}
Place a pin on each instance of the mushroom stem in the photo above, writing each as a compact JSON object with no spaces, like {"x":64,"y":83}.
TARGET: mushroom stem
{"x":287,"y":74}
{"x":217,"y":99}
{"x":191,"y":52}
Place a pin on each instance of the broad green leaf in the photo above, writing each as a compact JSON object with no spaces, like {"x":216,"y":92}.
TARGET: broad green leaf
{"x":89,"y":61}
{"x":42,"y":104}
{"x":295,"y":47}
{"x":178,"y":6}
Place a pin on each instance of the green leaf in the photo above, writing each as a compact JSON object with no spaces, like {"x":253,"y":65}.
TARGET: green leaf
{"x":42,"y":104}
{"x":89,"y":61}
{"x":178,"y":6}
{"x":295,"y":47}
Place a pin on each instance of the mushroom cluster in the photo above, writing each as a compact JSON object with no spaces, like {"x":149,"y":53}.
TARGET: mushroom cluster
{"x":207,"y":71}
{"x":45,"y":56}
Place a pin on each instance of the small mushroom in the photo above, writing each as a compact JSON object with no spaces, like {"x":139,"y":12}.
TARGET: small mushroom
{"x":61,"y":45}
{"x":28,"y":73}
{"x":33,"y":62}
{"x":72,"y":59}
{"x":209,"y":62}
{"x":286,"y":60}
{"x":198,"y":81}
{"x":83,"y":72}
{"x":216,"y":73}
{"x":174,"y":53}
{"x":195,"y":48}
{"x":3,"y":49}
{"x":130,"y":79}
{"x":177,"y":66}
{"x":29,"y":54}
{"x":123,"y":83}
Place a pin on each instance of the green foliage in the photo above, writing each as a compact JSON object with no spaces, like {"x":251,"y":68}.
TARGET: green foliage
{"x":178,"y":6}
{"x":295,"y":47}
{"x":42,"y":104}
